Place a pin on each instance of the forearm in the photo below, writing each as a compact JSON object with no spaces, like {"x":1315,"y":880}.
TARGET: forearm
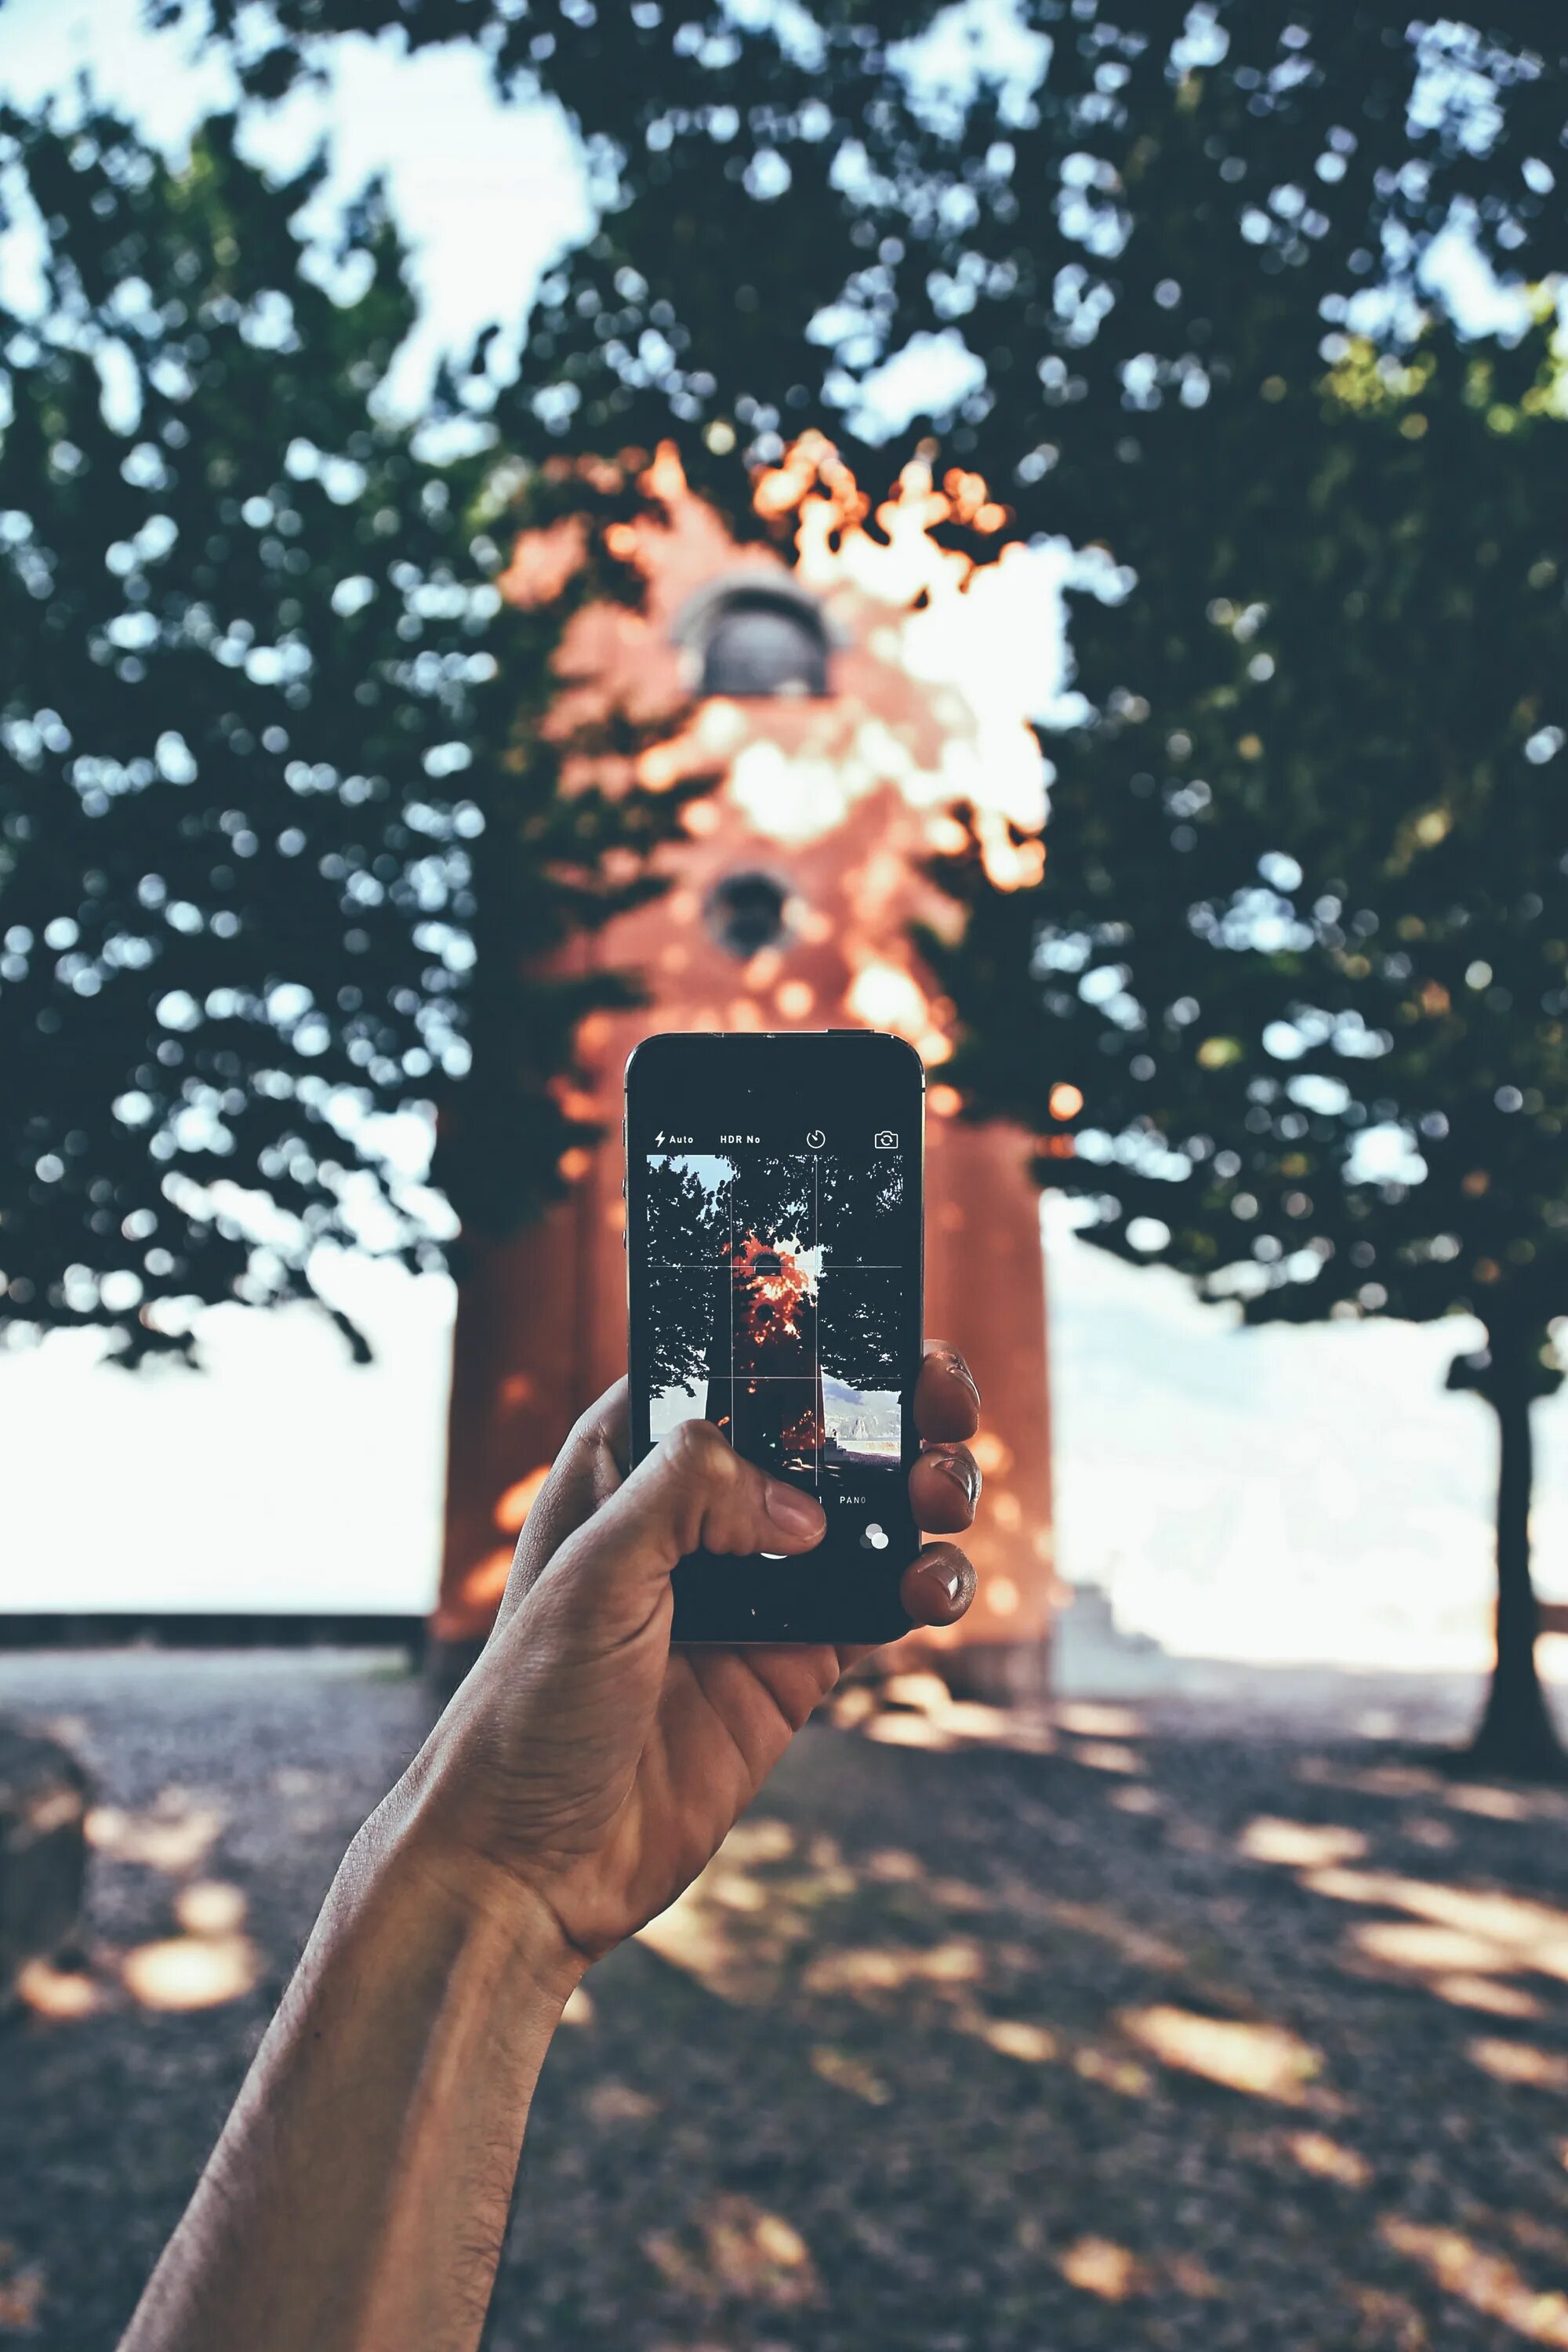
{"x":358,"y":2196}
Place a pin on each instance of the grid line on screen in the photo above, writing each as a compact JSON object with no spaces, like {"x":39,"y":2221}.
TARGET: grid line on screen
{"x":819,"y":1426}
{"x":835,"y":1279}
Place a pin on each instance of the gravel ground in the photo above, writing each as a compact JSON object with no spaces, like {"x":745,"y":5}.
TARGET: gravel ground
{"x":1165,"y":2027}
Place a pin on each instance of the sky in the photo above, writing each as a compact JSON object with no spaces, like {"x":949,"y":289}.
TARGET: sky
{"x":282,"y":1478}
{"x":1290,"y":1494}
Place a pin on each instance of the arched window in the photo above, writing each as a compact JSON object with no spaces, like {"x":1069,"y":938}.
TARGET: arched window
{"x":756,"y":635}
{"x":760,"y":644}
{"x":745,"y":912}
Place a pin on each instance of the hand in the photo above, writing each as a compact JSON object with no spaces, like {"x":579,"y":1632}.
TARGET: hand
{"x":585,"y":1772}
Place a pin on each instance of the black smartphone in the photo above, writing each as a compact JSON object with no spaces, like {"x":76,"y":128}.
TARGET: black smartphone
{"x":774,"y":1262}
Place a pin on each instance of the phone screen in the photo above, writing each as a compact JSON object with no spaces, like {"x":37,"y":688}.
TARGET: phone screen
{"x":773,"y":1242}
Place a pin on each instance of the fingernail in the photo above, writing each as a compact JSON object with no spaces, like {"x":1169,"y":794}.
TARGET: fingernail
{"x":798,"y":1513}
{"x":945,"y":1573}
{"x":964,"y":1474}
{"x":958,"y":1365}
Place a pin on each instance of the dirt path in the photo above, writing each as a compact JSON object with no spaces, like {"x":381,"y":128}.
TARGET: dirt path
{"x":1142,"y":2037}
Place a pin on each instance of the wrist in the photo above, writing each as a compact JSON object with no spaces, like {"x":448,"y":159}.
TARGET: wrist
{"x":447,"y":1889}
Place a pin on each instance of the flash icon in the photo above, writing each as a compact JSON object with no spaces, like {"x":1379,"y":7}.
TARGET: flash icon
{"x":659,"y":1137}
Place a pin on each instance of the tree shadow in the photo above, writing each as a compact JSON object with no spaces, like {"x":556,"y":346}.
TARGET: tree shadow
{"x":1118,"y":2038}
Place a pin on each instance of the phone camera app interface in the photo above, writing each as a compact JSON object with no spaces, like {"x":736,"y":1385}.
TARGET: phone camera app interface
{"x":775,"y":1291}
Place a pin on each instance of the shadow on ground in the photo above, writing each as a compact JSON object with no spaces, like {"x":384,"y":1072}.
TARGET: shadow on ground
{"x":1129,"y":2027}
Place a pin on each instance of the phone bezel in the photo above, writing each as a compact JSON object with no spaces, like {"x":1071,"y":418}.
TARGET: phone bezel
{"x":828,"y":1597}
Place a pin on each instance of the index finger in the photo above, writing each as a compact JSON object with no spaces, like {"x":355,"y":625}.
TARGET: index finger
{"x":585,"y":1473}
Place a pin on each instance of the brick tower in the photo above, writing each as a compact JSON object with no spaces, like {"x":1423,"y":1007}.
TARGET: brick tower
{"x":846,"y":703}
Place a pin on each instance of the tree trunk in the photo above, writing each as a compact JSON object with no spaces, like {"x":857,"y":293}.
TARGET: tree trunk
{"x":1516,"y":1732}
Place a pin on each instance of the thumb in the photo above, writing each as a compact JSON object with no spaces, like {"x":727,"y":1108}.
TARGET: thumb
{"x":692,"y":1493}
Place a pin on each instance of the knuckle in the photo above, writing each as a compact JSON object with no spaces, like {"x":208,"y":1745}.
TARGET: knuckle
{"x":587,"y":1431}
{"x":696,"y":1450}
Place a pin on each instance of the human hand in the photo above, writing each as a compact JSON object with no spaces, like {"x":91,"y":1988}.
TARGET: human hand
{"x":585,"y":1771}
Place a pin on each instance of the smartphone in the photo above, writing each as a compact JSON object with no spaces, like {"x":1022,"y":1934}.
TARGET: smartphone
{"x":774,"y":1267}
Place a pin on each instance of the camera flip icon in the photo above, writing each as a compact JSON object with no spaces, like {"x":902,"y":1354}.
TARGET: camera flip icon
{"x":885,"y":1139}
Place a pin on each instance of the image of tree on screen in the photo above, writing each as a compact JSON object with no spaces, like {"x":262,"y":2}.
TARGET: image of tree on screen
{"x":686,"y":1235}
{"x":760,"y":1322}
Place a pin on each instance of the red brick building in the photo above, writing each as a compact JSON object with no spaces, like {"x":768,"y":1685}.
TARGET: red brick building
{"x":848,"y":703}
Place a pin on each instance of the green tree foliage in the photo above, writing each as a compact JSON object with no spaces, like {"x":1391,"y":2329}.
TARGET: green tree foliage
{"x":1294,"y":980}
{"x":282,"y":846}
{"x":1065,"y":189}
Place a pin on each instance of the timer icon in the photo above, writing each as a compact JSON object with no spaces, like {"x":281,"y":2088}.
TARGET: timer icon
{"x":815,"y":1140}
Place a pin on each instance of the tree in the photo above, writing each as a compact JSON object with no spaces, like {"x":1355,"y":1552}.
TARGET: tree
{"x":1293,"y":984}
{"x":794,"y":197}
{"x":686,"y":1236}
{"x":283,"y":842}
